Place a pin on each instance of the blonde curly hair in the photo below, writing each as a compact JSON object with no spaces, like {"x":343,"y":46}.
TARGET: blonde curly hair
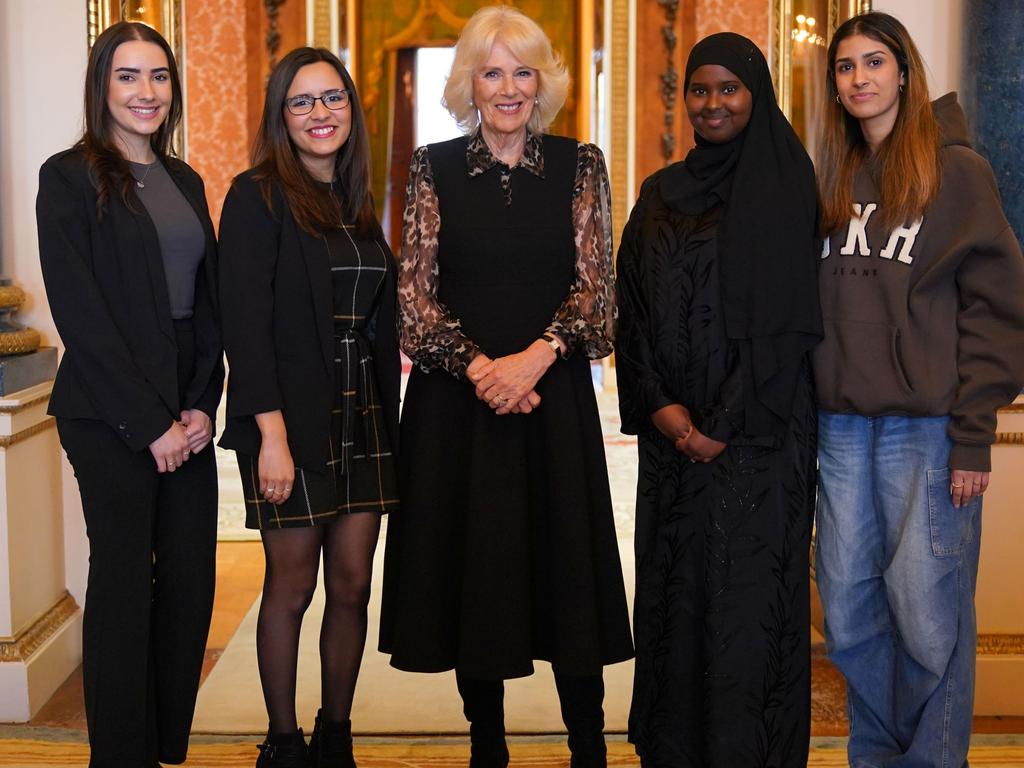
{"x":527,"y":42}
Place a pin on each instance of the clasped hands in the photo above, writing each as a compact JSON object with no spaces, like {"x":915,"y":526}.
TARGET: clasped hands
{"x":507,"y":383}
{"x":185,"y":437}
{"x":674,"y":422}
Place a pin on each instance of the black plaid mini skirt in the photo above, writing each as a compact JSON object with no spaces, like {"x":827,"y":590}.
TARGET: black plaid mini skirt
{"x":360,"y":476}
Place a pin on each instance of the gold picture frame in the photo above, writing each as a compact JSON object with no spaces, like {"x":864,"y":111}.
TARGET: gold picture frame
{"x":165,"y":16}
{"x":786,"y":30}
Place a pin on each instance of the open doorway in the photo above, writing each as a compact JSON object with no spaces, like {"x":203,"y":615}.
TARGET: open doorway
{"x":418,"y":118}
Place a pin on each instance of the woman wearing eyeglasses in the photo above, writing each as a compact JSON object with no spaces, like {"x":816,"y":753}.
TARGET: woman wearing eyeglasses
{"x":308,"y":296}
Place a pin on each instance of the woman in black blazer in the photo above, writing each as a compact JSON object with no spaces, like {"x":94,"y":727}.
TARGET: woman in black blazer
{"x":308,"y":297}
{"x":129,"y":261}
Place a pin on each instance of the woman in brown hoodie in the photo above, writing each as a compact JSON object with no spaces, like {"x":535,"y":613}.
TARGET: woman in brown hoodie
{"x":921,"y":283}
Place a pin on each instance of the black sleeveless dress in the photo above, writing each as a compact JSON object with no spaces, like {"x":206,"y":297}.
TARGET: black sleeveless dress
{"x":505,"y":550}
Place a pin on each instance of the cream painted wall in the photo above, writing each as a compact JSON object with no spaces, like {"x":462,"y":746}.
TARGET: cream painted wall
{"x":935,"y":26}
{"x":42,"y":68}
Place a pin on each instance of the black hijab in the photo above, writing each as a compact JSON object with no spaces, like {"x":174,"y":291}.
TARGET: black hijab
{"x":766,"y":235}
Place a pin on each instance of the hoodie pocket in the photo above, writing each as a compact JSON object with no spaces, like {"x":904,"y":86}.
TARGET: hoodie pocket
{"x":858,"y":367}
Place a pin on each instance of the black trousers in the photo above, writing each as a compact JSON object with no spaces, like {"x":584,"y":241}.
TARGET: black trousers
{"x":152,"y":564}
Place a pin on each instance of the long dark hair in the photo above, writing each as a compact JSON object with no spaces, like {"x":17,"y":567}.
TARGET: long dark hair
{"x":277,"y":161}
{"x":908,"y":160}
{"x":109,"y":167}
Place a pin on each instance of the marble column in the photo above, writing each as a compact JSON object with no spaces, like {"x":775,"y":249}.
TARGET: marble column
{"x":992,"y":92}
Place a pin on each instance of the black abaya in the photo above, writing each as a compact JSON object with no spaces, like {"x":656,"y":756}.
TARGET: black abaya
{"x":721,"y":617}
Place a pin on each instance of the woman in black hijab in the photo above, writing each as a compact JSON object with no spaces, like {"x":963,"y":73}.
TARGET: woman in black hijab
{"x":718,"y":309}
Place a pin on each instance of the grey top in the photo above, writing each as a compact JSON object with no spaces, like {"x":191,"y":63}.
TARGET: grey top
{"x":182,"y":242}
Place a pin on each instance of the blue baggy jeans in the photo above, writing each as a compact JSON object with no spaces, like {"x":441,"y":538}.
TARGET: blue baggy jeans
{"x":896,"y":566}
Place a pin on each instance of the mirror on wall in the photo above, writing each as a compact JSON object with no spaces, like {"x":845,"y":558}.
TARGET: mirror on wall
{"x":802,"y":31}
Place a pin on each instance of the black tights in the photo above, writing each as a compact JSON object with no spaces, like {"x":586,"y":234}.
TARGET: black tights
{"x":293,"y":562}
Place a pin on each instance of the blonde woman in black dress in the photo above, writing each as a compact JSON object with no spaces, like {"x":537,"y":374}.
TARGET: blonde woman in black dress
{"x":505,"y":548}
{"x":309,"y":324}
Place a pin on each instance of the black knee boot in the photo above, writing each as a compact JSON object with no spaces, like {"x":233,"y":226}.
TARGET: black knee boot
{"x":581,"y":699}
{"x":483,"y":703}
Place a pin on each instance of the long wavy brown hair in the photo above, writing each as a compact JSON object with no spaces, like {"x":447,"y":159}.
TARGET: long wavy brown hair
{"x":277,"y":161}
{"x":906,"y":163}
{"x":111,"y":173}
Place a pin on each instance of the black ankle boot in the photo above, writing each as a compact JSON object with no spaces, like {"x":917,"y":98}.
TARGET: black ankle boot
{"x":483,"y":703}
{"x":581,"y":699}
{"x":330,"y":746}
{"x":283,"y":750}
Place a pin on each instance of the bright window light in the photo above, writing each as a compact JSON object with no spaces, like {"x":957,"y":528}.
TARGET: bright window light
{"x":433,"y":123}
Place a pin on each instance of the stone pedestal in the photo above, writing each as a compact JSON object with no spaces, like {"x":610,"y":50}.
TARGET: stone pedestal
{"x":40,"y":623}
{"x":1000,"y":598}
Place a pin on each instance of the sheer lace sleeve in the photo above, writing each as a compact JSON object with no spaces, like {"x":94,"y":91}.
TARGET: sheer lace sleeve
{"x":429,"y":334}
{"x":586,"y":319}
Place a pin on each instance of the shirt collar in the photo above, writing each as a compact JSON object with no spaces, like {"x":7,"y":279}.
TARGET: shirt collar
{"x":479,"y":158}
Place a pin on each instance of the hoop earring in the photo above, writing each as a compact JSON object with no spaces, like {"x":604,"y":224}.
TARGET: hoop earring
{"x":838,"y":101}
{"x":901,"y":88}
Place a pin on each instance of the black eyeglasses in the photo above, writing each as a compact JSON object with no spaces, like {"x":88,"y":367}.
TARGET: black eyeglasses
{"x":303,"y":104}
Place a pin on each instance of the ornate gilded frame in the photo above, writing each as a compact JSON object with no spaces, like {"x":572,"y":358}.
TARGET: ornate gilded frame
{"x":782,"y":43}
{"x":167,"y":20}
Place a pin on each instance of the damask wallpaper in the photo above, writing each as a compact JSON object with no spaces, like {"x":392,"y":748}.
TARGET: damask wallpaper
{"x":746,"y":17}
{"x":218,"y":141}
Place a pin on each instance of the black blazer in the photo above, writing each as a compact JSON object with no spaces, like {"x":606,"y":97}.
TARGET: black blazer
{"x":278,"y":317}
{"x":108,"y":295}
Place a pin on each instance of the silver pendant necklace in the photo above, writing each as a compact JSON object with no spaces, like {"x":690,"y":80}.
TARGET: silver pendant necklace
{"x":140,"y":183}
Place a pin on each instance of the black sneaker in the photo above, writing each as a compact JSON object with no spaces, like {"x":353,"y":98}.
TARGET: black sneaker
{"x":330,"y":746}
{"x":283,"y":751}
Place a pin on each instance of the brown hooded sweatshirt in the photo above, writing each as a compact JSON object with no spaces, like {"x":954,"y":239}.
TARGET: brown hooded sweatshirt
{"x":927,"y":319}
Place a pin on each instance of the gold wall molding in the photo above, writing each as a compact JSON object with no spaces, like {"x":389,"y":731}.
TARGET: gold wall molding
{"x":619,"y":68}
{"x":165,"y":16}
{"x":273,"y":38}
{"x":1012,"y":408}
{"x":585,"y":37}
{"x":999,"y":644}
{"x":669,"y":78}
{"x":6,"y":441}
{"x":321,"y":25}
{"x":1009,"y":438}
{"x":25,"y":643}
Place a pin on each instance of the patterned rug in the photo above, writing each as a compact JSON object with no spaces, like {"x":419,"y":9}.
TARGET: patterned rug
{"x":993,"y":752}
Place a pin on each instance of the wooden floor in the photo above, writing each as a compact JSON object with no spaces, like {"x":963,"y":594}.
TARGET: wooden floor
{"x":239,"y":580}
